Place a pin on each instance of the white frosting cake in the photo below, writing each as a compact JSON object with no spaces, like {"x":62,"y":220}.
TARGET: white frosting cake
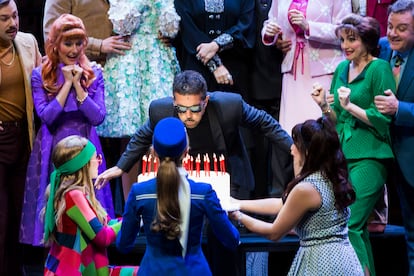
{"x":220,"y":181}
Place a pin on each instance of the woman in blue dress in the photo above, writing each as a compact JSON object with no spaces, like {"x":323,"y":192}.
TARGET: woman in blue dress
{"x":172,"y":208}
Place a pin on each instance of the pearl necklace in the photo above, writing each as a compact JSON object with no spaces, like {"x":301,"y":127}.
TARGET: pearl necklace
{"x":12,"y":60}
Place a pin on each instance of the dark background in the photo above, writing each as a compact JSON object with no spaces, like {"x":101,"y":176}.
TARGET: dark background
{"x":31,"y":18}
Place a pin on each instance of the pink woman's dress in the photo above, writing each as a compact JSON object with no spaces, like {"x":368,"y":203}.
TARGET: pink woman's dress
{"x":313,"y":57}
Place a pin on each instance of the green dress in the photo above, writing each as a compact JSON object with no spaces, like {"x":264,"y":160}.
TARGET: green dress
{"x":144,"y":73}
{"x":357,"y":138}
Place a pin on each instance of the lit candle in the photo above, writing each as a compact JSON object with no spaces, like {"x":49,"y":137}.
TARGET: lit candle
{"x":222,"y":164}
{"x":198,"y":164}
{"x":155,"y":165}
{"x":215,"y":163}
{"x":207,"y":165}
{"x":149,"y":164}
{"x":144,"y":164}
{"x":191,"y":164}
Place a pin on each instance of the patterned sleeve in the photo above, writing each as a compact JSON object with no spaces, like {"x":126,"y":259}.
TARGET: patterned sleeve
{"x":80,"y":211}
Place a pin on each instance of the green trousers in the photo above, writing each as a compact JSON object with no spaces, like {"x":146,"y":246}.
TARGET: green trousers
{"x":368,"y":177}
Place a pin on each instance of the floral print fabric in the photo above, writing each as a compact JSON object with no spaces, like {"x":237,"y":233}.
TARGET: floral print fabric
{"x":143,"y":74}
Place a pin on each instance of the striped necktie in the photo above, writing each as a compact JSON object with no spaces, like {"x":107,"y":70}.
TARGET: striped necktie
{"x":397,"y":68}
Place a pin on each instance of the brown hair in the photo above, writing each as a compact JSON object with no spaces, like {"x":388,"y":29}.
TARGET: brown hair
{"x":168,"y":215}
{"x":367,"y":28}
{"x":318,"y":142}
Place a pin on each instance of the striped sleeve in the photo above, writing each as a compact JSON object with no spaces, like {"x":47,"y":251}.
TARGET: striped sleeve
{"x":80,"y":211}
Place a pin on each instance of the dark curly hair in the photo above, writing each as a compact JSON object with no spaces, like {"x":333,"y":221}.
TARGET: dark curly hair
{"x":317,"y":140}
{"x":367,"y":28}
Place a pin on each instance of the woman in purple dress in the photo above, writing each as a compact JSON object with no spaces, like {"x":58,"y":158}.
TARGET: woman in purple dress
{"x":68,"y":94}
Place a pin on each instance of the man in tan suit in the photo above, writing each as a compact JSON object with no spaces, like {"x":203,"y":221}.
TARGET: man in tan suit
{"x":19,"y":54}
{"x":94,"y":14}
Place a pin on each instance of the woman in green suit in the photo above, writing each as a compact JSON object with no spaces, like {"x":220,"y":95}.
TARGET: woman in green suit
{"x":363,"y":130}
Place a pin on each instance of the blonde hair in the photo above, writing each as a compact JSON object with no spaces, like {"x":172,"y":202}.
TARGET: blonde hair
{"x":65,"y":150}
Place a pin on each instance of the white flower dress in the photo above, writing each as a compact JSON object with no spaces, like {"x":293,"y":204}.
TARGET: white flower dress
{"x":143,"y":74}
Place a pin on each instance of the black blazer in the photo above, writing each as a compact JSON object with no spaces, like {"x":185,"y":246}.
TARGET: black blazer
{"x":226,"y":113}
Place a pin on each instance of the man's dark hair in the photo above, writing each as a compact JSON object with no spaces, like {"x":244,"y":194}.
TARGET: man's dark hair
{"x":402,"y":6}
{"x":190,"y":82}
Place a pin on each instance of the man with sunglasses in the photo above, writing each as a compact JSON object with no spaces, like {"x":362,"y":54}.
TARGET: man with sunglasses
{"x":213,"y":122}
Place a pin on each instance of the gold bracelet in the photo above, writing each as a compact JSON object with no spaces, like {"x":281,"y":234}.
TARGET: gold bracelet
{"x":328,"y":110}
{"x":80,"y":101}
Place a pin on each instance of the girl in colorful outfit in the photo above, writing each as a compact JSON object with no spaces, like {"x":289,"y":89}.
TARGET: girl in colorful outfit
{"x":305,"y":31}
{"x":76,"y":226}
{"x":363,"y":130}
{"x":68,"y":95}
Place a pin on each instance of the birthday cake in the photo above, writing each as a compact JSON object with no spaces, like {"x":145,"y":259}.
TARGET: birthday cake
{"x":218,"y":179}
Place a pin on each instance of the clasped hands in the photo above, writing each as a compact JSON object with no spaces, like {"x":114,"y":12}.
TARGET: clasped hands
{"x":205,"y":52}
{"x":72,"y":72}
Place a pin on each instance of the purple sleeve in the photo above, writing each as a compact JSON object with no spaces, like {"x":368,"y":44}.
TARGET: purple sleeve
{"x":93,"y":108}
{"x":47,"y":107}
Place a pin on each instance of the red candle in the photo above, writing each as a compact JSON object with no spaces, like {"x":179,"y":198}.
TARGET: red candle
{"x":185,"y":163}
{"x":149,"y":164}
{"x":155,"y":165}
{"x":215,"y":163}
{"x":204,"y":164}
{"x":198,"y":161}
{"x":207,"y":165}
{"x":144,"y":164}
{"x":191,"y":165}
{"x":222,"y":164}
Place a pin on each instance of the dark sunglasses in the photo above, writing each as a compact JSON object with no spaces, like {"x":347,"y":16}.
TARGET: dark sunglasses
{"x":193,"y":108}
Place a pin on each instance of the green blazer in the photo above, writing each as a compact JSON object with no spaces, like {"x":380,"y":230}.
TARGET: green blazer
{"x":358,"y":139}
